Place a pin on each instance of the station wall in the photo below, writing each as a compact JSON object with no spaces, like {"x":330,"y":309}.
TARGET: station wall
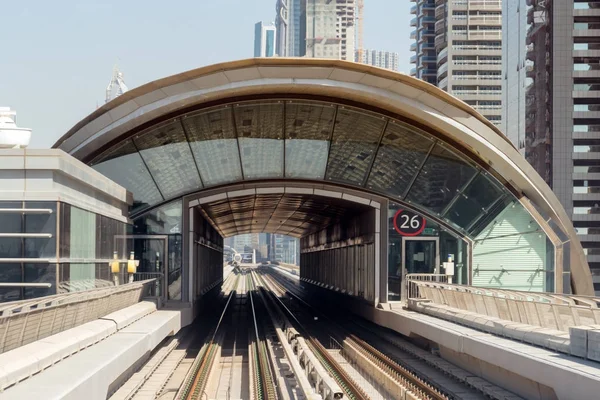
{"x":342,"y":256}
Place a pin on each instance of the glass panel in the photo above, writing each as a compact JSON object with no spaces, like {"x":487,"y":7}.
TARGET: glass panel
{"x":40,"y":273}
{"x":11,"y":221}
{"x":264,"y":121}
{"x":169,"y":159}
{"x":151,"y":255}
{"x":306,"y":158}
{"x":214,"y":144}
{"x":163,"y":220}
{"x":513,"y":252}
{"x":11,"y":248}
{"x":399,"y":157}
{"x":308,"y":128}
{"x":10,"y":273}
{"x":473,"y":201}
{"x":355,"y":138}
{"x":442,"y":176}
{"x":40,"y":223}
{"x":124,"y":165}
{"x":174,"y":263}
{"x":260,"y":134}
{"x":420,"y":256}
{"x":261,"y":158}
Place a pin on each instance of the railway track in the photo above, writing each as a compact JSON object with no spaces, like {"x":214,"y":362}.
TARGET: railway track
{"x":418,"y":386}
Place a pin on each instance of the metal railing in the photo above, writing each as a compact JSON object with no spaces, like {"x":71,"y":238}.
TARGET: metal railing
{"x":25,"y":321}
{"x":411,"y":289}
{"x":547,"y":310}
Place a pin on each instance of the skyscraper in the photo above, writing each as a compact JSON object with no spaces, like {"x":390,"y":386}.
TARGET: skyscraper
{"x":467,"y":35}
{"x":424,"y":47}
{"x":551,"y":88}
{"x":377,"y":58}
{"x":290,"y":22}
{"x":265,"y":40}
{"x":316,"y":28}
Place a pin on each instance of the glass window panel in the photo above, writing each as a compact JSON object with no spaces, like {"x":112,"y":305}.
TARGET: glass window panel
{"x":442,"y":176}
{"x":308,"y":121}
{"x":124,"y":165}
{"x":41,"y":223}
{"x":264,"y":121}
{"x":214,"y":144}
{"x":308,"y":129}
{"x":218,"y":161}
{"x":399,"y":157}
{"x":473,"y":201}
{"x":40,"y":273}
{"x":260,"y":130}
{"x":261,"y":158}
{"x":83,"y":234}
{"x":306,"y":158}
{"x":164,"y":220}
{"x":169,"y":159}
{"x":513,"y":252}
{"x":65,"y":231}
{"x":355,"y":138}
{"x":11,"y":221}
{"x":11,"y":248}
{"x":10,"y":273}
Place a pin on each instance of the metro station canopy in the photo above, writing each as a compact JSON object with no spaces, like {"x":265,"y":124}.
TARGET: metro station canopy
{"x":317,"y":120}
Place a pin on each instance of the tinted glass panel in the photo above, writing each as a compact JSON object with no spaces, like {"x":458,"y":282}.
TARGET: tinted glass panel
{"x":169,"y":159}
{"x":261,"y":158}
{"x":163,"y":220}
{"x":306,"y":158}
{"x":442,"y":176}
{"x":214,"y":144}
{"x":124,"y":165}
{"x":473,"y":201}
{"x":307,"y":131}
{"x":10,"y":273}
{"x":260,"y":130}
{"x":399,"y":157}
{"x":40,"y":273}
{"x":262,"y":121}
{"x":11,"y":221}
{"x":355,"y":138}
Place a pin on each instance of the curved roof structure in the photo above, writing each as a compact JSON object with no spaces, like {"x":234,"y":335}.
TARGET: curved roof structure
{"x":317,"y":120}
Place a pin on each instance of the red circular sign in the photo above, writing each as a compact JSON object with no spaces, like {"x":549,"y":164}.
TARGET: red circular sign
{"x":408,"y":223}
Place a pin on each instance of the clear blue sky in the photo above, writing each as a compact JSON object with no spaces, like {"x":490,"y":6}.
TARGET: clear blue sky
{"x":57,"y":56}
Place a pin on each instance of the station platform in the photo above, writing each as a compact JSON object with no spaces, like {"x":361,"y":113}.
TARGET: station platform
{"x":122,"y":341}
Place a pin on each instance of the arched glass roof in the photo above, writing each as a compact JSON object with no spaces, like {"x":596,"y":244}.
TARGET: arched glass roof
{"x":308,"y":140}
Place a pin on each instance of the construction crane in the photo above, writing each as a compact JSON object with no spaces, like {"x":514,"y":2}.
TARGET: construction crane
{"x":359,"y":18}
{"x":115,"y":82}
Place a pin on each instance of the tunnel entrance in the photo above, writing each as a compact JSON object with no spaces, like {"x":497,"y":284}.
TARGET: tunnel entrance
{"x":338,"y":232}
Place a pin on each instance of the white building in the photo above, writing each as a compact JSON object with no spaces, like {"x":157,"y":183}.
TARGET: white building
{"x":467,"y":36}
{"x":316,"y":28}
{"x":12,"y":136}
{"x":378,"y":58}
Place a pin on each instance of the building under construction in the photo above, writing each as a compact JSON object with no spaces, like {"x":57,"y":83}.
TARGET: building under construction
{"x":318,"y":28}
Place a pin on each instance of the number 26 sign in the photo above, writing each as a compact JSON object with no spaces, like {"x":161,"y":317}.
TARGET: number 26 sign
{"x":408,"y":223}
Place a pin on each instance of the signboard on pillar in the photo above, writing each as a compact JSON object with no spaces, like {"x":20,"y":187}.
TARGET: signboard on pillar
{"x":408,"y":223}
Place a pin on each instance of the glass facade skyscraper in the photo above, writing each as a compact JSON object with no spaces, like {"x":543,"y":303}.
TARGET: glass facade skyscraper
{"x":551,"y":87}
{"x":264,"y":40}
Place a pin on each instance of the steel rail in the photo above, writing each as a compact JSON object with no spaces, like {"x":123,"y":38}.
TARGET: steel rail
{"x":264,"y":384}
{"x":401,"y":374}
{"x":346,"y":383}
{"x":197,"y":378}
